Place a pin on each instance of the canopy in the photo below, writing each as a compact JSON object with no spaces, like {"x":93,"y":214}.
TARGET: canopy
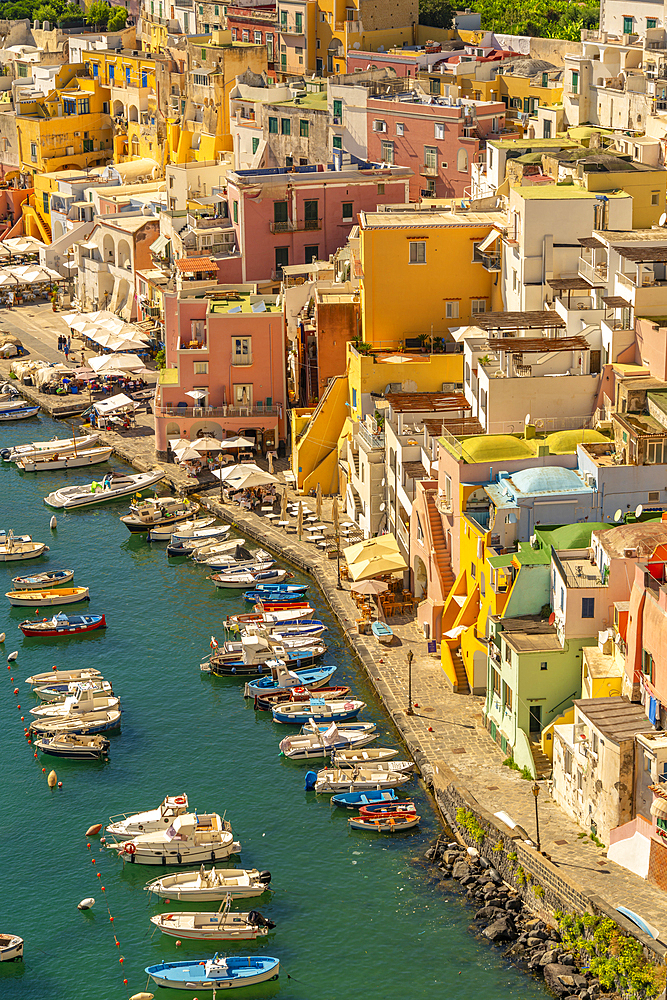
{"x":247,"y":476}
{"x":374,"y":557}
{"x":237,"y":442}
{"x":176,"y":444}
{"x":187,"y":454}
{"x":489,"y":241}
{"x":197,"y":393}
{"x":370,"y":587}
{"x":116,"y":362}
{"x":206,"y":444}
{"x":118,"y":402}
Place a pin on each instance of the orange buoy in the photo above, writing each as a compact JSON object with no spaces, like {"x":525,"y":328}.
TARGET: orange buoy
{"x":92,"y":830}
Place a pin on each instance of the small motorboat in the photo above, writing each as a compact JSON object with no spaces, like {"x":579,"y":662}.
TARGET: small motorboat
{"x":364,"y":757}
{"x":319,"y":710}
{"x":268,"y":606}
{"x":43,"y":448}
{"x":18,"y":411}
{"x":212,"y":886}
{"x":113,"y":487}
{"x":398,"y":766}
{"x":335,"y":779}
{"x":279,"y":633}
{"x":74,"y":747}
{"x":191,"y":837}
{"x":382,"y":633}
{"x":225,"y":925}
{"x":14,"y":548}
{"x":165,"y":533}
{"x":218,"y":973}
{"x":84,"y":699}
{"x":234,"y":547}
{"x":283,"y":679}
{"x":306,"y":746}
{"x":47,"y":598}
{"x":84,"y":724}
{"x":258,"y":655}
{"x":62,"y":625}
{"x":11,"y":948}
{"x":271,"y":597}
{"x":63,"y":676}
{"x":355,"y":800}
{"x":292,"y":616}
{"x":196,"y":536}
{"x":385,"y":823}
{"x":155,"y":511}
{"x":40,"y":581}
{"x":274,"y":590}
{"x":58,"y":692}
{"x":265,"y":702}
{"x":161,"y":818}
{"x":388,"y":808}
{"x":247,"y":578}
{"x":71,"y":460}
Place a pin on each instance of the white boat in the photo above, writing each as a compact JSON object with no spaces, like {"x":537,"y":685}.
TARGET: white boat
{"x":269,"y":618}
{"x":206,"y":550}
{"x":16,"y":548}
{"x":331,"y":711}
{"x":11,"y":948}
{"x":71,"y":497}
{"x":356,"y":760}
{"x":46,"y":598}
{"x":152,"y":512}
{"x":247,"y":580}
{"x":165,"y":532}
{"x":366,"y":758}
{"x":84,"y":700}
{"x":212,"y":885}
{"x":55,"y":696}
{"x":190,"y":539}
{"x":43,"y":448}
{"x":86,"y":723}
{"x":38,"y":581}
{"x":334,"y":779}
{"x":153,"y":819}
{"x":63,"y":676}
{"x":192,"y":837}
{"x":306,"y":746}
{"x":73,"y":460}
{"x":259,"y":559}
{"x":225,"y":925}
{"x":20,"y":411}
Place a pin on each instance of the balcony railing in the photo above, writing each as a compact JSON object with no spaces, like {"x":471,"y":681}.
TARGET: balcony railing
{"x":192,"y":345}
{"x":491,"y":261}
{"x":429,"y":170}
{"x":443,"y":504}
{"x":372,"y":440}
{"x":290,"y":226}
{"x":217,"y":411}
{"x":242,"y":359}
{"x":592,"y":273}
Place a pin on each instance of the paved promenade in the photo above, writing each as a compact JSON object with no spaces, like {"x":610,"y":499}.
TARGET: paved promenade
{"x":445,"y":729}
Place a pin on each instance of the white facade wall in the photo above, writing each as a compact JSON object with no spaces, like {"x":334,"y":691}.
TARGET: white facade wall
{"x":614,"y":12}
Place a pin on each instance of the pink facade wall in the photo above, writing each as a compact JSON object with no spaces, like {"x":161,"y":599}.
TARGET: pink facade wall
{"x":256,"y":214}
{"x":419,"y":130}
{"x":362,"y":61}
{"x":651,"y":346}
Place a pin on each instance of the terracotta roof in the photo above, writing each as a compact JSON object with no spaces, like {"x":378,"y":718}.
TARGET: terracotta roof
{"x":518,"y":320}
{"x":546,"y":345}
{"x":404,"y":402}
{"x":189,"y":264}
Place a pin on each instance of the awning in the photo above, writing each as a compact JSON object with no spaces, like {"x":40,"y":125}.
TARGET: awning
{"x":88,"y":246}
{"x":159,"y":244}
{"x":119,"y":402}
{"x":659,"y":808}
{"x":489,"y":241}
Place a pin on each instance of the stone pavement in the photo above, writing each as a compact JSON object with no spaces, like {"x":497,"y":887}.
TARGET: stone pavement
{"x":445,"y":728}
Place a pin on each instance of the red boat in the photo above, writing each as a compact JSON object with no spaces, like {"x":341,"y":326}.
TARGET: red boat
{"x":265,"y":702}
{"x":385,"y":809}
{"x":281,"y":606}
{"x":62,"y":625}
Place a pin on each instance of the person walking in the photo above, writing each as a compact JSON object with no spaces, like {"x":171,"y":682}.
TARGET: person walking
{"x":66,"y":350}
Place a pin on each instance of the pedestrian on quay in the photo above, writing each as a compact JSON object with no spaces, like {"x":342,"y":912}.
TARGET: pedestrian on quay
{"x":66,"y":350}
{"x":69,"y":344}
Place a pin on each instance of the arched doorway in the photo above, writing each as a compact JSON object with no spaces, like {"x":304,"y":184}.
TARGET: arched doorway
{"x":420,"y":578}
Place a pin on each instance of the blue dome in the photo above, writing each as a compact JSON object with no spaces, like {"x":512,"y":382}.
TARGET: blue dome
{"x":550,"y":479}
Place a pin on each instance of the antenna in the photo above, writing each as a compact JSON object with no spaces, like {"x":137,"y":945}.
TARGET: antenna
{"x":639,"y":510}
{"x":618,"y":514}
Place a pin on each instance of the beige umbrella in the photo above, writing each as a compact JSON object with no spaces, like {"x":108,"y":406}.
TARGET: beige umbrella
{"x":370,"y":587}
{"x":318,"y":501}
{"x":334,"y":515}
{"x":299,"y":521}
{"x":283,"y":506}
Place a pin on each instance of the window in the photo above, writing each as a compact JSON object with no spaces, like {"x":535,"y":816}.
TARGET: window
{"x":388,"y":153}
{"x":337,"y":111}
{"x":431,"y":159}
{"x":311,"y":253}
{"x":477,"y":306}
{"x":241,"y":350}
{"x":217,"y":10}
{"x":379,"y":126}
{"x":655,"y":197}
{"x":348,"y":213}
{"x":269,"y":47}
{"x":243,"y":395}
{"x":337,"y":142}
{"x":451,"y":310}
{"x":434,"y":86}
{"x":462,"y":160}
{"x":627,"y":27}
{"x":273,"y":126}
{"x":543,"y":665}
{"x":303,"y":128}
{"x":33,"y":152}
{"x":299,"y":23}
{"x":400,"y":128}
{"x":654,"y":496}
{"x":575,"y":82}
{"x":508,"y":654}
{"x":380,"y":188}
{"x":105,"y":107}
{"x":654,"y":450}
{"x":280,"y":214}
{"x":281,"y":258}
{"x":45,"y":202}
{"x":200,"y":368}
{"x":235,"y":211}
{"x":257,"y":37}
{"x":311,"y":214}
{"x":651,"y":22}
{"x":439,"y":130}
{"x":245,"y":36}
{"x":546,"y":130}
{"x":201,"y":9}
{"x":87,"y":145}
{"x":283,"y":19}
{"x":647,"y":664}
{"x":515,"y":280}
{"x":588,"y":607}
{"x":285,"y":126}
{"x":255,"y":144}
{"x":417,"y":253}
{"x":69,"y":107}
{"x":354,"y":399}
{"x":496,"y":683}
{"x":207,"y":29}
{"x":507,"y":697}
{"x":23,"y":69}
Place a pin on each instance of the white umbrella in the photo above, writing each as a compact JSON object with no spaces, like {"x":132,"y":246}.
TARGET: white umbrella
{"x":237,"y":442}
{"x":244,"y":476}
{"x":117,"y":362}
{"x":196,"y":393}
{"x":187,"y":454}
{"x":177,"y":444}
{"x":271,"y":462}
{"x":206,"y":444}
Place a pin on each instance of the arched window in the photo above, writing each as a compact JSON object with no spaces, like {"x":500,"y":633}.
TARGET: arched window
{"x":463,"y":160}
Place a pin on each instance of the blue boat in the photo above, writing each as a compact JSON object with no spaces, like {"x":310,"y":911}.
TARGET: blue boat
{"x":230,"y":664}
{"x":217,"y":973}
{"x":283,"y":596}
{"x":283,"y":588}
{"x":9,"y":412}
{"x":299,"y":713}
{"x":282,"y":680}
{"x":353,"y":800}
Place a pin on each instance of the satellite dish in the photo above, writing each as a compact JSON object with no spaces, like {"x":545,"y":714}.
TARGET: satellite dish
{"x":526,"y":419}
{"x":382,"y":506}
{"x":639,"y":510}
{"x":552,"y":618}
{"x":663,"y":219}
{"x":618,"y":514}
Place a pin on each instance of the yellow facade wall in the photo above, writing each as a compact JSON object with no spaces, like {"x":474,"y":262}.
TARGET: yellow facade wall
{"x":647,"y":188}
{"x":369,"y":373}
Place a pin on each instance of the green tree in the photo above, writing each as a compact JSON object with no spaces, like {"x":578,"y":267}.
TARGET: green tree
{"x":436,"y":13}
{"x":98,"y":14}
{"x":46,"y":12}
{"x":117,"y":19}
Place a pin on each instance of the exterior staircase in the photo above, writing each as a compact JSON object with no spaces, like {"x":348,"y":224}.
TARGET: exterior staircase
{"x":439,"y":543}
{"x":542,"y":763}
{"x":354,"y":461}
{"x":461,"y":686}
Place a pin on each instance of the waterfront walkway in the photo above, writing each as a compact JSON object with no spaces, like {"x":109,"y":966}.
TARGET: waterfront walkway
{"x":445,"y":729}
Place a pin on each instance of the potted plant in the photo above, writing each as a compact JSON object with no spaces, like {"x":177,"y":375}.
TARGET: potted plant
{"x":423,"y":340}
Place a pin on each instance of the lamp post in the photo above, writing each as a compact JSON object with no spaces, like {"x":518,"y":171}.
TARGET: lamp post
{"x":536,"y":792}
{"x":409,"y":710}
{"x":221,"y":479}
{"x":339,"y":584}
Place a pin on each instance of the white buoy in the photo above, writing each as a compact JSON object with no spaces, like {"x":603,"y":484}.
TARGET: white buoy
{"x":2,"y":636}
{"x":86,"y":903}
{"x":53,"y":523}
{"x":12,"y":656}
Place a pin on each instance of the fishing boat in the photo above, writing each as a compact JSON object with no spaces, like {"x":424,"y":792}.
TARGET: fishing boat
{"x":266,"y":702}
{"x":398,"y":766}
{"x":39,"y":581}
{"x":355,"y":800}
{"x":84,"y":724}
{"x":125,"y":825}
{"x":382,"y":633}
{"x":210,"y":532}
{"x":18,"y":411}
{"x":12,"y":401}
{"x":385,"y":823}
{"x":218,"y":973}
{"x":185,"y":546}
{"x":270,"y":618}
{"x":114,"y":487}
{"x":364,"y":757}
{"x":72,"y":460}
{"x":63,"y":676}
{"x":155,"y":511}
{"x":84,"y":699}
{"x":280,"y":632}
{"x":267,"y":606}
{"x":258,"y":656}
{"x":315,"y":744}
{"x":62,"y":626}
{"x":248,"y":578}
{"x":243,"y":559}
{"x":192,"y":837}
{"x":211,"y":886}
{"x":273,"y":600}
{"x":232,"y":547}
{"x":319,"y":710}
{"x":335,"y":779}
{"x":281,"y":678}
{"x":402,"y":808}
{"x":350,"y":727}
{"x":11,"y":948}
{"x":58,"y":692}
{"x":165,"y":532}
{"x":273,"y":590}
{"x":47,"y":598}
{"x":74,"y":747}
{"x":225,"y":925}
{"x":14,"y":548}
{"x":42,"y":448}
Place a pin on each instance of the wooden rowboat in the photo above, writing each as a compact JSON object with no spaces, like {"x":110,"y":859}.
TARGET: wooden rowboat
{"x":47,"y":598}
{"x":39,"y":581}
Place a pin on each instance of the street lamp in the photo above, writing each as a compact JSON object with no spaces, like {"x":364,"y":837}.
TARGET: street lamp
{"x":409,"y":710}
{"x":536,"y":792}
{"x":339,"y":585}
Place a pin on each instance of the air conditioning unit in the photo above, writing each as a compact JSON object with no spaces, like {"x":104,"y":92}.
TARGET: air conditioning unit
{"x":77,"y":135}
{"x":589,"y":479}
{"x":448,"y":387}
{"x":630,"y":553}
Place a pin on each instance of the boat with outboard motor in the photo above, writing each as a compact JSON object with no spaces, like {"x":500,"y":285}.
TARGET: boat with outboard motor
{"x":11,"y":948}
{"x":58,"y":692}
{"x":63,"y":676}
{"x":83,"y":724}
{"x":335,"y":779}
{"x":385,"y":823}
{"x":217,"y":973}
{"x":62,"y":626}
{"x":355,"y":800}
{"x":258,"y":656}
{"x":15,"y":548}
{"x":266,"y":702}
{"x":281,"y":678}
{"x":165,"y":533}
{"x":191,"y":837}
{"x":40,"y":581}
{"x":73,"y":747}
{"x":84,"y":699}
{"x":161,"y":818}
{"x":231,"y":548}
{"x":44,"y":448}
{"x":276,"y":591}
{"x":113,"y":487}
{"x":225,"y":925}
{"x":212,"y":885}
{"x":155,"y":511}
{"x":18,"y":411}
{"x":289,"y":616}
{"x":232,"y":580}
{"x":71,"y":460}
{"x":47,"y":598}
{"x":313,"y":744}
{"x":317,"y":709}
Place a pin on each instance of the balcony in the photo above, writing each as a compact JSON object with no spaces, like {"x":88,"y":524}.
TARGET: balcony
{"x":443,"y":504}
{"x":192,"y":345}
{"x":217,"y":411}
{"x":297,"y":226}
{"x":491,"y":261}
{"x":242,"y":360}
{"x":592,"y":272}
{"x":429,"y":170}
{"x":371,"y":440}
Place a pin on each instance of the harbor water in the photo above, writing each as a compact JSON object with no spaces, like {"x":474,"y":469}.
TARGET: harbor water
{"x":353,"y":911}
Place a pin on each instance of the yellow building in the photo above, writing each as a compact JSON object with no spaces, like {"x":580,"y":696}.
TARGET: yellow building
{"x":69,"y":128}
{"x":423,"y":275}
{"x":361,"y":24}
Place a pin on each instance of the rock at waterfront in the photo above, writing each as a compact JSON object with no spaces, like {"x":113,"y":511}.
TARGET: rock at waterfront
{"x":460,"y":870}
{"x":501,"y":930}
{"x":489,"y":913}
{"x":550,"y":957}
{"x":562,"y":980}
{"x":513,"y":904}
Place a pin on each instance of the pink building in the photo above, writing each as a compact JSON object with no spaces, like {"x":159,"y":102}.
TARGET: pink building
{"x":293,"y":215}
{"x":437,"y":139}
{"x":230,"y":347}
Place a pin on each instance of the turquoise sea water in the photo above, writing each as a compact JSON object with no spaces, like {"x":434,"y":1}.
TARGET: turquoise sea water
{"x":353,"y":912}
